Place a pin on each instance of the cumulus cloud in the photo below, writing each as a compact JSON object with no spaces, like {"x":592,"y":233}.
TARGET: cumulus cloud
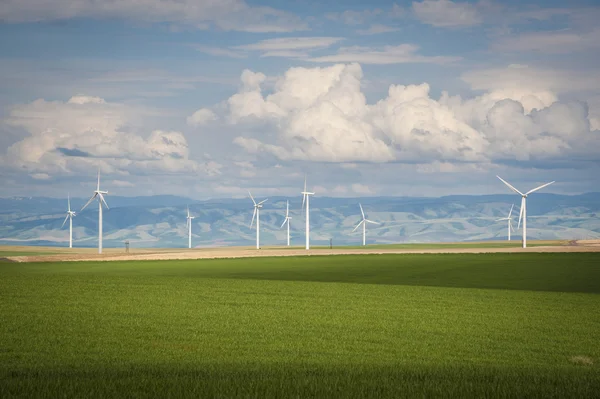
{"x":517,"y":77}
{"x":201,"y":117}
{"x":87,"y":132}
{"x":321,"y":114}
{"x":446,"y":13}
{"x":225,"y":14}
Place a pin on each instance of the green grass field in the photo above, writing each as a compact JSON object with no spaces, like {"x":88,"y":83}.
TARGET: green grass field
{"x":463,"y":325}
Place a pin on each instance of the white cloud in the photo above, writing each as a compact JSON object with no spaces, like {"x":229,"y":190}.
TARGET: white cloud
{"x":553,"y":42}
{"x":362,"y":189}
{"x":404,"y":53}
{"x":286,"y":47}
{"x":377,"y":29}
{"x":532,"y":79}
{"x":201,"y":117}
{"x":321,"y":114}
{"x":225,"y":14}
{"x":121,"y":183}
{"x":285,"y":54}
{"x":40,"y":176}
{"x":354,"y":17}
{"x":291,"y":43}
{"x":446,"y":13}
{"x":87,"y":132}
{"x":219,"y":51}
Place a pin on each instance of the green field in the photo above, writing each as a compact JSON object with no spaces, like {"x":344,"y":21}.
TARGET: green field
{"x":461,"y":325}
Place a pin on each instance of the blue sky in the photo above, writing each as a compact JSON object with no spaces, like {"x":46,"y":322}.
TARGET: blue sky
{"x":207,"y":99}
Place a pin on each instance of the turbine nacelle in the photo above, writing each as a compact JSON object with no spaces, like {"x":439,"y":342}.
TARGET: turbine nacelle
{"x":256,"y":207}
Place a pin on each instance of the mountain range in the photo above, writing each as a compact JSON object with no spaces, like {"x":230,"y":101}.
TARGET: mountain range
{"x":160,"y":221}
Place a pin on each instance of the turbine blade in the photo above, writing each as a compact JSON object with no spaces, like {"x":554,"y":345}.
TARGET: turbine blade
{"x":287,"y":209}
{"x":253,"y":216}
{"x":303,"y":199}
{"x":358,"y":225}
{"x":103,"y":201}
{"x":252,"y":198}
{"x":538,"y":188}
{"x":69,"y":201}
{"x":283,"y":224}
{"x":305,"y":182}
{"x":511,"y":226}
{"x":511,"y":209}
{"x":98,"y":187}
{"x":509,"y":186}
{"x":90,"y":201}
{"x":361,"y":210}
{"x":265,"y":200}
{"x":521,"y":212}
{"x":63,"y":225}
{"x":370,"y":221}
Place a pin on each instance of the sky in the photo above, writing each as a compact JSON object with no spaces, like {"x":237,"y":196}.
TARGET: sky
{"x":207,"y":98}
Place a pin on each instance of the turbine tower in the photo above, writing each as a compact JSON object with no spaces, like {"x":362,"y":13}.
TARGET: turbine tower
{"x":306,"y":198}
{"x":69,"y":216}
{"x":363,"y":222}
{"x":257,"y":215}
{"x":510,"y":227}
{"x":100,"y":196}
{"x":523,"y":212}
{"x":189,"y":226}
{"x":287,"y":220}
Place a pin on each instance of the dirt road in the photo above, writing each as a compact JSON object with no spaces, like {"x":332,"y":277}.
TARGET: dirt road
{"x":246,"y":252}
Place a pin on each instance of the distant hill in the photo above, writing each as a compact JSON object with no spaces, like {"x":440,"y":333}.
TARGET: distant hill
{"x":159,"y":221}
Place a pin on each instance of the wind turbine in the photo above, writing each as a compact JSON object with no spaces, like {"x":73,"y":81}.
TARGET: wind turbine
{"x":523,"y":212}
{"x":69,"y":216}
{"x":306,"y":198}
{"x":287,"y":220}
{"x":363,"y":222}
{"x":510,"y":227}
{"x":100,"y":195}
{"x":189,"y":226}
{"x":257,"y":215}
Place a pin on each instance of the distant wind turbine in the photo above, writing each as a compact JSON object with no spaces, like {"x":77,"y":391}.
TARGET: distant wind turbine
{"x":100,"y":196}
{"x":69,"y":216}
{"x":256,"y":214}
{"x":189,"y":226}
{"x":287,"y":220}
{"x":523,"y":212}
{"x":363,"y":222}
{"x":509,"y":218}
{"x":306,"y":198}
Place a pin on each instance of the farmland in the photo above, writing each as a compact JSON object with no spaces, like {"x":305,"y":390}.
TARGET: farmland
{"x":500,"y":325}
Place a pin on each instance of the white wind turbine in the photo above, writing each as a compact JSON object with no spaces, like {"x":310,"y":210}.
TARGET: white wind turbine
{"x":523,"y":212}
{"x":100,"y":195}
{"x":189,"y":226}
{"x":363,"y":222}
{"x":509,"y":218}
{"x":69,"y":216}
{"x":256,"y":214}
{"x":287,"y":220}
{"x":306,"y":198}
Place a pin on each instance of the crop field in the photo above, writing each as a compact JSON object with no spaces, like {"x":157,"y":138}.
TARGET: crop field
{"x":409,"y":325}
{"x":441,"y":245}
